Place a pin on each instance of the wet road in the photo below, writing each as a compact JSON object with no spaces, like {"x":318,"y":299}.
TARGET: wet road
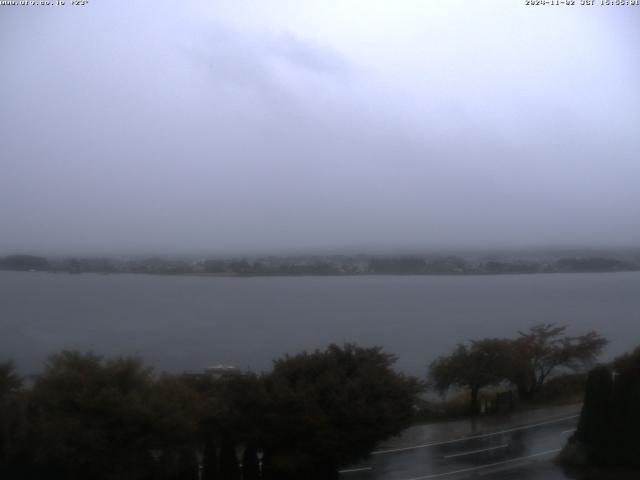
{"x":514,"y":452}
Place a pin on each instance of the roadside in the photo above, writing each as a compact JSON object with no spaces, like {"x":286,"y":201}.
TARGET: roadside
{"x":496,"y":446}
{"x":444,"y":431}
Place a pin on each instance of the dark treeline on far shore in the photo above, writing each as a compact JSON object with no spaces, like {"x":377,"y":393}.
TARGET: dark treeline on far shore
{"x":432,"y":264}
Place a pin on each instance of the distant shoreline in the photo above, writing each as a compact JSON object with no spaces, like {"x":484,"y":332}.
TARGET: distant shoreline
{"x":333,"y":275}
{"x":334,"y":265}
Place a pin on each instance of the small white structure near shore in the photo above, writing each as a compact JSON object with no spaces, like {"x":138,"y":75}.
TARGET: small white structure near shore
{"x":222,"y":371}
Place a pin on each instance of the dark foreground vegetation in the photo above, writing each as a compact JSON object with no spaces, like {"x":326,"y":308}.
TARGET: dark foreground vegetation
{"x":333,"y":265}
{"x":527,"y":363}
{"x":86,"y":416}
{"x":94,"y":418}
{"x":607,"y":434}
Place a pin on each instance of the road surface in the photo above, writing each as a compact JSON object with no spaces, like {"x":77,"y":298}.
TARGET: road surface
{"x":507,"y":450}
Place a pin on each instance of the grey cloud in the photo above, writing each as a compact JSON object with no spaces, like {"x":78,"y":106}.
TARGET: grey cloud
{"x":310,"y":55}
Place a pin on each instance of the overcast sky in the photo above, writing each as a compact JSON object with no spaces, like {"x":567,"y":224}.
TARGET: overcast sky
{"x":259,"y":126}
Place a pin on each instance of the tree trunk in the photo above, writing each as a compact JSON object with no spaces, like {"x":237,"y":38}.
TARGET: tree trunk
{"x":475,"y":404}
{"x":523,"y":392}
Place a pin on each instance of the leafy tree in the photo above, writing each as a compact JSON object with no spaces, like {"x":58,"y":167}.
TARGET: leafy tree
{"x":10,"y":381}
{"x":90,"y":415}
{"x":593,"y":427}
{"x":174,"y":410}
{"x":13,"y":428}
{"x":244,"y":399}
{"x":112,"y":419}
{"x":480,"y":364}
{"x":97,"y":418}
{"x":607,"y":433}
{"x":625,"y":413}
{"x":231,"y":413}
{"x":330,"y":407}
{"x":543,"y":349}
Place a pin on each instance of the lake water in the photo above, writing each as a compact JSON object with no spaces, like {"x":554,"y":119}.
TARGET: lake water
{"x":186,"y":323}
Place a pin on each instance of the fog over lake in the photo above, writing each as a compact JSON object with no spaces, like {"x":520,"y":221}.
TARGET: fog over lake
{"x":186,"y":323}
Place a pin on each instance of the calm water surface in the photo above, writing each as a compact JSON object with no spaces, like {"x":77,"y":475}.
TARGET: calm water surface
{"x":187,"y":323}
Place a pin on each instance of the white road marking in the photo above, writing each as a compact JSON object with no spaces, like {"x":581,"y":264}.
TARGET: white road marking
{"x":472,"y":437}
{"x":354,"y":470}
{"x":565,"y":432}
{"x":488,"y":465}
{"x":471,"y":452}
